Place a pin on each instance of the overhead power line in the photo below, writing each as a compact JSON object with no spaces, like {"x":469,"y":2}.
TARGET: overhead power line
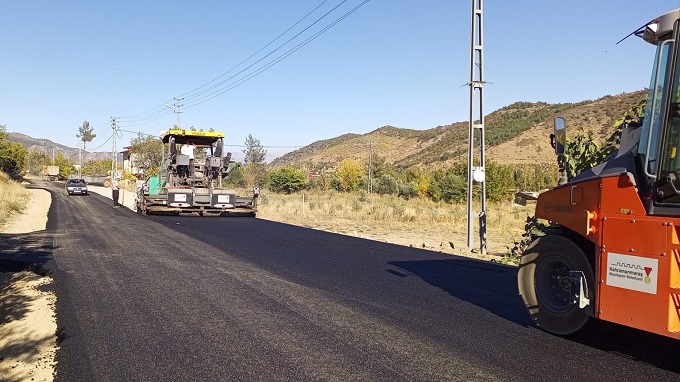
{"x":263,"y":48}
{"x":271,"y":63}
{"x":195,"y":97}
{"x":105,"y":142}
{"x":265,"y":56}
{"x":160,"y":107}
{"x":269,"y":147}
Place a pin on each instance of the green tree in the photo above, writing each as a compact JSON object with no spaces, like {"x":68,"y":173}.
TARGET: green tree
{"x":35,"y":161}
{"x":500,"y":181}
{"x":65,"y":166}
{"x":448,"y":186}
{"x":236,"y":177}
{"x":99,"y":167}
{"x":255,"y":173}
{"x":148,"y":150}
{"x":12,"y":154}
{"x":386,"y":184}
{"x":381,"y":167}
{"x":408,"y":190}
{"x":85,"y":133}
{"x":287,"y":179}
{"x":254,"y":151}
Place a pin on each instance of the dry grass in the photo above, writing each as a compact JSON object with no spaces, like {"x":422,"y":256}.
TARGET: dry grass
{"x":13,"y":198}
{"x":416,"y":222}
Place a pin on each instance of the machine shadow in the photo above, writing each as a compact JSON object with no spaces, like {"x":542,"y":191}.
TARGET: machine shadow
{"x":493,"y":287}
{"x":630,"y":343}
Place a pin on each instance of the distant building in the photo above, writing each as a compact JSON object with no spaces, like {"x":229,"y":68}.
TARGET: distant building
{"x":129,"y":161}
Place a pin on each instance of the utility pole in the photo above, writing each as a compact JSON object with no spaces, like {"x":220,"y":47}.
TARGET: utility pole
{"x":53,"y":155}
{"x":114,"y":160}
{"x":42,"y":156}
{"x":175,"y":108}
{"x":177,"y":105}
{"x":370,"y":167}
{"x":476,"y":174}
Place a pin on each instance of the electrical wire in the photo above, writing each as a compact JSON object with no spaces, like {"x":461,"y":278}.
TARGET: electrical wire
{"x":158,"y":113}
{"x":188,"y":98}
{"x":127,"y":123}
{"x":201,"y":97}
{"x":223,"y":74}
{"x":261,"y":49}
{"x":275,"y":61}
{"x":100,"y":146}
{"x":269,"y":147}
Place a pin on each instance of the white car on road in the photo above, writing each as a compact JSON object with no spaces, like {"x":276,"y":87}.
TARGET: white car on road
{"x":76,"y":186}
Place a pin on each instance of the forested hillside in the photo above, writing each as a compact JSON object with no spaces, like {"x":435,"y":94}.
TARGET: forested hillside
{"x":517,"y":133}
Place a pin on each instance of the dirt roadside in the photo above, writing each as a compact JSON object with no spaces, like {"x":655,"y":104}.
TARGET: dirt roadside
{"x":28,"y":328}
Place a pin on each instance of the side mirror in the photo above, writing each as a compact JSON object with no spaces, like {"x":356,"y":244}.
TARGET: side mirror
{"x":560,"y":136}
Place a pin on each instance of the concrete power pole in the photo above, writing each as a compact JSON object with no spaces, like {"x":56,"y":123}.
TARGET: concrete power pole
{"x":42,"y":156}
{"x":114,"y":159}
{"x":175,"y":108}
{"x":370,"y":167}
{"x":177,"y":105}
{"x":476,"y":173}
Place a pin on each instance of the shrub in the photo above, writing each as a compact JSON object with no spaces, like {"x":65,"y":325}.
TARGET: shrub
{"x":408,"y":190}
{"x":12,"y":155}
{"x":287,"y":179}
{"x":500,"y":182}
{"x":448,"y":187}
{"x":323,"y":182}
{"x":386,"y":184}
{"x":13,"y":197}
{"x":236,"y":177}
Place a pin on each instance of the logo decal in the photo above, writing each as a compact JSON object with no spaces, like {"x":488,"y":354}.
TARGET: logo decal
{"x":564,"y":208}
{"x":632,"y":272}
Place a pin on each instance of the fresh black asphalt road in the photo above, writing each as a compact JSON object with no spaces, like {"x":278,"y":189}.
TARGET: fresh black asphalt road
{"x":241,"y":299}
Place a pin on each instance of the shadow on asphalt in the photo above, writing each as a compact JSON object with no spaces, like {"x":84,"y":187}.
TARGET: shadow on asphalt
{"x":638,"y":345}
{"x":493,"y":287}
{"x":490,"y":286}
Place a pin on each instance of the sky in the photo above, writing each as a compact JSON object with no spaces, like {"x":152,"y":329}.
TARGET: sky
{"x":403,"y":63}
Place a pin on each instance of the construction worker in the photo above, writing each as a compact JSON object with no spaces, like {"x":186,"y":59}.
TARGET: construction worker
{"x":188,"y":149}
{"x":115,"y":191}
{"x":139,"y":183}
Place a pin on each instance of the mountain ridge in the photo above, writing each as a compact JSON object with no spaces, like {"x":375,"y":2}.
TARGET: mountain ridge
{"x":48,"y":146}
{"x":515,"y":134}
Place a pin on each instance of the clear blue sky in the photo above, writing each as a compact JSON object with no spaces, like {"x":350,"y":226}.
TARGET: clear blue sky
{"x":392,"y":62}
